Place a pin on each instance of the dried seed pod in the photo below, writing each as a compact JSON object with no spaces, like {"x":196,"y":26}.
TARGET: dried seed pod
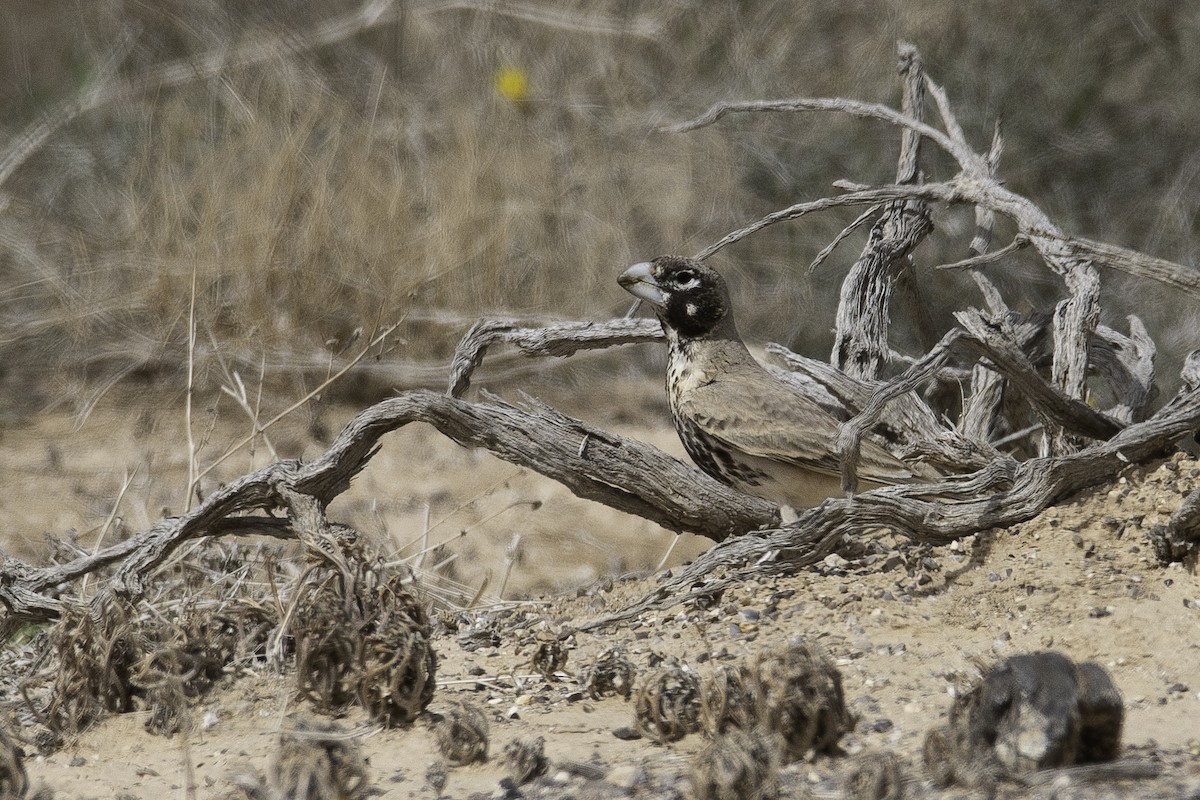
{"x":731,"y":698}
{"x":737,"y":765}
{"x":874,"y":775}
{"x":525,"y":759}
{"x":462,"y":733}
{"x":611,"y":673}
{"x":319,"y":761}
{"x":802,"y":700}
{"x":667,"y":707}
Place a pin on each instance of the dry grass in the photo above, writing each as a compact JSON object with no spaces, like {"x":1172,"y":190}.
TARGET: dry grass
{"x":385,"y":177}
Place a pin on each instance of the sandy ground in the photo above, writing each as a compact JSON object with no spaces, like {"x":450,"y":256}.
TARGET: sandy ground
{"x":906,"y":626}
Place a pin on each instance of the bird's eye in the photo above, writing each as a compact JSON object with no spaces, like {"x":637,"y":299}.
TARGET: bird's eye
{"x":685,"y":277}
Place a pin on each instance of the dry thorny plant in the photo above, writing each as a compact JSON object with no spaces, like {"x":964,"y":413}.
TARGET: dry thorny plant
{"x":359,"y":633}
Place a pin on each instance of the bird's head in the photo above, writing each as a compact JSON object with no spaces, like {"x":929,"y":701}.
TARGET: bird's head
{"x":687,"y":296}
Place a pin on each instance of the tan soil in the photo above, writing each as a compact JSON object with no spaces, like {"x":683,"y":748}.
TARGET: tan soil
{"x":905,"y":629}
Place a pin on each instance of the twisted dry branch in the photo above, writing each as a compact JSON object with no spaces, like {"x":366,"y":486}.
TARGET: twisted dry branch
{"x":622,"y":472}
{"x":1003,"y":494}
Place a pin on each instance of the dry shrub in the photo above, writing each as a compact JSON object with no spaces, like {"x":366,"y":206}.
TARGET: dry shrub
{"x":14,"y":783}
{"x":802,"y":700}
{"x":611,"y":673}
{"x":462,"y":733}
{"x":549,"y":654}
{"x":525,"y":759}
{"x":667,"y":707}
{"x":396,"y":661}
{"x":193,"y":653}
{"x":318,"y":761}
{"x":737,"y":765}
{"x":731,"y":698}
{"x":874,"y":775}
{"x":97,"y":649}
{"x":361,"y":635}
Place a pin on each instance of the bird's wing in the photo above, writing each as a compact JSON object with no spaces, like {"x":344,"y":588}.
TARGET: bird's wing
{"x":764,"y":417}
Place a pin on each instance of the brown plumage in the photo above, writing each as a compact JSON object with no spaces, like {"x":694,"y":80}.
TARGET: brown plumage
{"x":737,"y":421}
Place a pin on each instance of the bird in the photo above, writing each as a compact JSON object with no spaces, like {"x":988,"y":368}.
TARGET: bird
{"x":737,"y":421}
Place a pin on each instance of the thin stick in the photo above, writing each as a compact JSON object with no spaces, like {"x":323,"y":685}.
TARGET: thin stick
{"x":125,"y":483}
{"x":262,"y":428}
{"x":862,"y":219}
{"x":1016,"y":244}
{"x":193,"y":478}
{"x":510,"y":558}
{"x":662,"y":562}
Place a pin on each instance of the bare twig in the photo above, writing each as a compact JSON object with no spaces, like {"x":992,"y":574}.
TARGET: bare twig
{"x":984,"y":257}
{"x":562,"y":339}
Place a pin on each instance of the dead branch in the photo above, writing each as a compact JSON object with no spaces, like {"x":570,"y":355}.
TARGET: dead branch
{"x":860,"y":346}
{"x":1000,"y":495}
{"x":560,"y":340}
{"x":622,"y":472}
{"x":639,"y":479}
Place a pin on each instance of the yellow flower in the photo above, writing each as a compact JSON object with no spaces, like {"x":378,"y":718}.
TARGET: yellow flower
{"x":512,"y":83}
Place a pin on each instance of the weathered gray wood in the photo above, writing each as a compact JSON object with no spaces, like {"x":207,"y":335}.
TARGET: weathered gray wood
{"x":1006,"y":355}
{"x":562,"y":339}
{"x":1000,"y":495}
{"x":908,"y":424}
{"x":860,"y":347}
{"x":595,"y":464}
{"x":1127,"y":364}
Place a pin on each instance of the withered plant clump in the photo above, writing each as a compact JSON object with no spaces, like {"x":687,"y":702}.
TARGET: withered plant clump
{"x":327,"y":629}
{"x":97,"y":649}
{"x":319,"y":761}
{"x":802,"y":700}
{"x":874,"y":775}
{"x":731,"y":698}
{"x":14,"y":783}
{"x":191,"y":653}
{"x":462,"y":733}
{"x":611,"y":673}
{"x":397,"y":665}
{"x":737,"y":765}
{"x":525,"y":759}
{"x":361,"y":635}
{"x":549,"y":654}
{"x":667,"y":707}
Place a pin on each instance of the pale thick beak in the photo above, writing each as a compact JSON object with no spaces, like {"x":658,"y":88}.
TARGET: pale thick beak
{"x":639,"y":281}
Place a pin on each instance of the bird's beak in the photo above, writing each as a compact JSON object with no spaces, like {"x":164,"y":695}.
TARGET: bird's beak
{"x":639,"y":281}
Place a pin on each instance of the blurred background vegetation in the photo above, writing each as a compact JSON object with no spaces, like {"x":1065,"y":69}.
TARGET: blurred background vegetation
{"x":461,"y":159}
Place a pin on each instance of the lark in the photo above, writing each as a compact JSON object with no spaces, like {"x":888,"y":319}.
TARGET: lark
{"x":740,"y":423}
